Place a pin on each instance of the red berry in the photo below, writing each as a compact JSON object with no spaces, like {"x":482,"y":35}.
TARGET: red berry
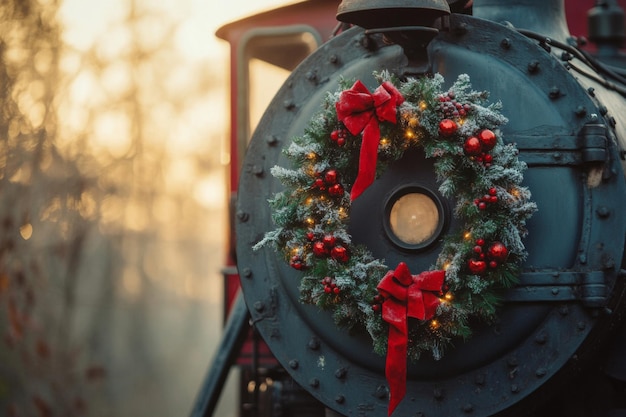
{"x":376,"y":307}
{"x":341,"y":141}
{"x":319,"y":183}
{"x":493,"y":199}
{"x":310,"y":236}
{"x":480,"y":242}
{"x":482,"y":205}
{"x":487,"y":158}
{"x":493,"y":191}
{"x":336,"y":290}
{"x":493,"y":264}
{"x":334,"y":135}
{"x":478,"y":249}
{"x":327,"y":290}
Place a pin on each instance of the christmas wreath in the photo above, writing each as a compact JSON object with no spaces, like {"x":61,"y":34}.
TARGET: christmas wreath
{"x":352,"y":140}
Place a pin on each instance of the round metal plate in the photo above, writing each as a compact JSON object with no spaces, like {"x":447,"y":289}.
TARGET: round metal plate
{"x":577,"y":234}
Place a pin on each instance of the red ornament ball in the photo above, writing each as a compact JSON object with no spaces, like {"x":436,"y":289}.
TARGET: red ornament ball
{"x":319,"y":249}
{"x":472,"y":146}
{"x":477,"y":267}
{"x":339,"y":253}
{"x":330,"y":177}
{"x":296,"y":263}
{"x":447,"y":127}
{"x":329,"y":240}
{"x":497,"y":252}
{"x":487,"y":139}
{"x":336,"y":190}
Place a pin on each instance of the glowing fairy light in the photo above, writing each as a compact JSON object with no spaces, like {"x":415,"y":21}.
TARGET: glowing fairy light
{"x":467,"y":235}
{"x":384,"y":142}
{"x":409,"y":134}
{"x":310,"y":221}
{"x":434,"y":324}
{"x":311,"y":155}
{"x":423,"y":105}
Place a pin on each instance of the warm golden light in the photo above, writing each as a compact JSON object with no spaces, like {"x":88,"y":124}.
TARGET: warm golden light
{"x":467,"y":235}
{"x":434,"y":324}
{"x":414,"y":218}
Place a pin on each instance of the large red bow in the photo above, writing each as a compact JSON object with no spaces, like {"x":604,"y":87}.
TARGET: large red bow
{"x":405,"y":296}
{"x":361,"y":111}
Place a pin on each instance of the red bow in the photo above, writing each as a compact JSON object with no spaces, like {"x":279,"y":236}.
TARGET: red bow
{"x":405,"y":297}
{"x":360,"y":111}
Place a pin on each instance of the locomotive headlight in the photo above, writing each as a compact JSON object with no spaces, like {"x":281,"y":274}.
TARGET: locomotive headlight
{"x":413,"y":217}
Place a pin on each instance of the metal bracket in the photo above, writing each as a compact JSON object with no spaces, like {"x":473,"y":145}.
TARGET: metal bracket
{"x":587,"y":287}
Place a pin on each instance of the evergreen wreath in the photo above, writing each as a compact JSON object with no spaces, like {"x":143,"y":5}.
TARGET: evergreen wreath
{"x":332,"y":166}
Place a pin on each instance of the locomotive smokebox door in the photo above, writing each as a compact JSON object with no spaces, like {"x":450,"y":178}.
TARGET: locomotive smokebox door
{"x":569,"y":290}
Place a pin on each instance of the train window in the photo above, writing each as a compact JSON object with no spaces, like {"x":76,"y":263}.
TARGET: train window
{"x":266,"y":58}
{"x":414,"y":217}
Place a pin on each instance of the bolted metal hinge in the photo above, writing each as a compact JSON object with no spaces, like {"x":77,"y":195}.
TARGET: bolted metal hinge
{"x":588,"y":287}
{"x":593,"y":143}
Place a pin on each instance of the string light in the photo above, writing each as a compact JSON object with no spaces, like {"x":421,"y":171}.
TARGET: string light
{"x":311,"y":155}
{"x":384,"y":142}
{"x":310,"y":221}
{"x":434,"y":324}
{"x":423,"y":105}
{"x":446,"y":265}
{"x":409,"y":134}
{"x":467,"y":235}
{"x":515,"y":192}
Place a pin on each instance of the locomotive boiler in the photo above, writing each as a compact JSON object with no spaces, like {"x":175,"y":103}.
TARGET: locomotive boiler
{"x":556,"y":344}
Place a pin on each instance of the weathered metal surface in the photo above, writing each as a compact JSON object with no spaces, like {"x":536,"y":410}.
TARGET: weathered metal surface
{"x":571,"y":279}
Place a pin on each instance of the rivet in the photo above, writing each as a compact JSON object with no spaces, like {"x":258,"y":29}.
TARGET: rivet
{"x":243,"y":216}
{"x":314,"y":382}
{"x":612,"y":121}
{"x":438,"y":394}
{"x":582,"y":258}
{"x":311,"y":76}
{"x":333,"y":59}
{"x":341,"y":373}
{"x":259,"y":306}
{"x":382,"y":392}
{"x":272,"y":140}
{"x":314,"y":343}
{"x":557,"y":156}
{"x":591,"y":91}
{"x":566,"y":56}
{"x":580,"y":111}
{"x":257,"y":170}
{"x":293,"y":364}
{"x":505,"y":43}
{"x":603,"y":212}
{"x":603,"y":110}
{"x":514,"y":388}
{"x":339,"y":399}
{"x":541,"y":372}
{"x":533,"y":66}
{"x":289,"y":104}
{"x":554,"y":92}
{"x":246,"y":272}
{"x":480,"y":379}
{"x":581,"y":325}
{"x":468,"y":408}
{"x":555,"y":291}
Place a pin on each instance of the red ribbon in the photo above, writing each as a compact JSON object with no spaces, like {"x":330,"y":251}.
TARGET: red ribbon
{"x":405,"y":296}
{"x":361,"y":111}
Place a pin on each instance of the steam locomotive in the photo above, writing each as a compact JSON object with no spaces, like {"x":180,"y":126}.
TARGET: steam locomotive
{"x":557,"y":345}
